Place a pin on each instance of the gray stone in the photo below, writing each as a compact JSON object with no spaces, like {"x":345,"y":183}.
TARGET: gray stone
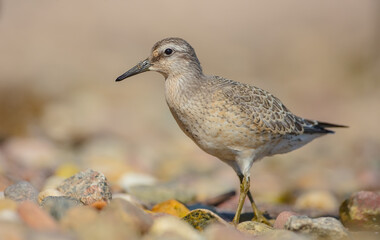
{"x":58,"y":206}
{"x":21,"y":191}
{"x":321,"y":228}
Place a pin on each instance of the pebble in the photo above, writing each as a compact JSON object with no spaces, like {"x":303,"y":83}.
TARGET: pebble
{"x":107,"y":225}
{"x":8,"y":211}
{"x":31,"y":152}
{"x":218,"y":231}
{"x":128,"y":180}
{"x":253,"y":228}
{"x":172,"y":207}
{"x":131,"y":215}
{"x":48,"y":193}
{"x":361,"y":211}
{"x":169,"y":227}
{"x":35,"y":217}
{"x":52,"y":182}
{"x":283,"y":235}
{"x":8,"y":215}
{"x":21,"y":191}
{"x":7,"y":204}
{"x":326,"y":228}
{"x":320,"y":200}
{"x":88,"y":187}
{"x":78,"y":217}
{"x":202,"y":218}
{"x":58,"y":206}
{"x":12,"y":231}
{"x":128,"y":198}
{"x":282,"y":218}
{"x":161,"y":192}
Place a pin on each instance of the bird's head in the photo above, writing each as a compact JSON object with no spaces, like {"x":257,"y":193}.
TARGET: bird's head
{"x":171,"y":57}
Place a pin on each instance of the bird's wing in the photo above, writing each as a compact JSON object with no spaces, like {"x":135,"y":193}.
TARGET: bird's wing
{"x":267,"y":112}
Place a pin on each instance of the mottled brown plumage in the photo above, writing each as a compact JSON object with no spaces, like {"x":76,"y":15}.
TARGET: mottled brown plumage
{"x":235,"y":122}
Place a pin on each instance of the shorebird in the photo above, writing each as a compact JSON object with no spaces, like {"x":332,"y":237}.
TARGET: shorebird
{"x":235,"y":122}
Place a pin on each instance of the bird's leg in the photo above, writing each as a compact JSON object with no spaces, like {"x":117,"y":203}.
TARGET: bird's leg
{"x":259,"y":217}
{"x":244,"y":188}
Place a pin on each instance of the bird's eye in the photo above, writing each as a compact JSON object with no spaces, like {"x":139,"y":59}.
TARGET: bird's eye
{"x":168,"y":51}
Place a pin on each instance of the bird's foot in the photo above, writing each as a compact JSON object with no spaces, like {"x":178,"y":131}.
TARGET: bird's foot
{"x":261,"y":219}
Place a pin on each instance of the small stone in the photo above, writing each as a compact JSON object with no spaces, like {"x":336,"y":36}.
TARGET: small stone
{"x":320,"y":200}
{"x":326,"y":228}
{"x":66,"y":170}
{"x":169,"y":227}
{"x":282,"y":218}
{"x":31,"y":152}
{"x":361,"y":211}
{"x":172,"y":207}
{"x":7,"y":204}
{"x":283,"y":235}
{"x":128,"y":180}
{"x":35,"y":217}
{"x":128,"y":198}
{"x":253,"y":228}
{"x":8,"y":215}
{"x":88,"y":223}
{"x":78,"y":217}
{"x":48,"y":193}
{"x":52,"y":182}
{"x":217,"y":231}
{"x":99,"y":205}
{"x":8,"y":211}
{"x":58,"y":206}
{"x":88,"y":187}
{"x":160,"y":193}
{"x":131,"y":215}
{"x":21,"y":191}
{"x":13,"y":231}
{"x":202,"y":218}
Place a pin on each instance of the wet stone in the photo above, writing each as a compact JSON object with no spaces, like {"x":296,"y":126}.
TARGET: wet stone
{"x":202,"y":218}
{"x":361,"y":211}
{"x":21,"y":191}
{"x":321,"y":228}
{"x":58,"y":206}
{"x":88,"y":187}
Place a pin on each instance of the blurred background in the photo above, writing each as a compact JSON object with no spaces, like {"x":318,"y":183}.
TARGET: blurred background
{"x":61,"y":111}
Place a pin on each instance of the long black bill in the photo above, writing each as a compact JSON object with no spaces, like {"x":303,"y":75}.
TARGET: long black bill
{"x":143,"y":66}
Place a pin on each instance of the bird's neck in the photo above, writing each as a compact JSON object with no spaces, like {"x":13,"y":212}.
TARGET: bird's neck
{"x":182,"y":87}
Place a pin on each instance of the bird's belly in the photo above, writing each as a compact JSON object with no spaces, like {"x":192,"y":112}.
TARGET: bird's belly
{"x":218,"y":137}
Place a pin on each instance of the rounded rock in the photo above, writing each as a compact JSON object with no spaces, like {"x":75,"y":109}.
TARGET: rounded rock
{"x":21,"y":191}
{"x":361,"y":211}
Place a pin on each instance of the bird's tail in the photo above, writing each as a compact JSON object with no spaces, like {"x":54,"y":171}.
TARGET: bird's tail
{"x":320,"y":127}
